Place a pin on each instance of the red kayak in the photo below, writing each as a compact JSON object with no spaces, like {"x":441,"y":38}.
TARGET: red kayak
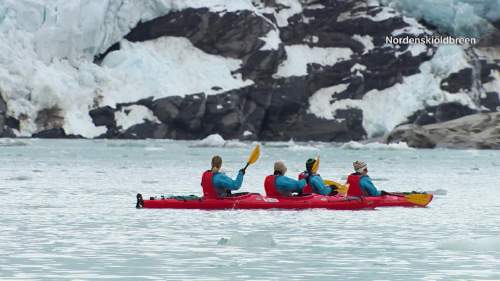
{"x":308,"y":201}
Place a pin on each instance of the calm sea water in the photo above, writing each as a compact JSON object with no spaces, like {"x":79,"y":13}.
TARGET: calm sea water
{"x":68,"y":212}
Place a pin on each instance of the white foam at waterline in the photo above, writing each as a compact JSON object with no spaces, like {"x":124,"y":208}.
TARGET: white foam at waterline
{"x":13,"y":142}
{"x":291,"y":145}
{"x":354,"y":145}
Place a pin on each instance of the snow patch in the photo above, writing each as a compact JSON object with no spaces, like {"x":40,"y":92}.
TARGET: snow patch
{"x":272,"y":40}
{"x":151,"y":69}
{"x":320,"y":101}
{"x":366,"y":40}
{"x":299,"y":56}
{"x":132,"y":115}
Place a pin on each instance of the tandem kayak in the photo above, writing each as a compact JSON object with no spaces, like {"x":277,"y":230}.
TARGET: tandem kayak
{"x":249,"y":201}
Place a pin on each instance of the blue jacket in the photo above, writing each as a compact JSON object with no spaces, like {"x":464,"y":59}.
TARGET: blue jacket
{"x":223,"y":183}
{"x":286,"y":185}
{"x":318,"y":185}
{"x":368,"y":187}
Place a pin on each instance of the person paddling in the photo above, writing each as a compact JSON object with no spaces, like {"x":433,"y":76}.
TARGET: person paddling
{"x":315,"y":184}
{"x":216,"y":184}
{"x":278,"y":184}
{"x":360,"y":183}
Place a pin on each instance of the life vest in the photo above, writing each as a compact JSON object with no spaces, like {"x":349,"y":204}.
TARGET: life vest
{"x":270,"y":186}
{"x":354,"y":187}
{"x":308,"y":188}
{"x":208,"y":185}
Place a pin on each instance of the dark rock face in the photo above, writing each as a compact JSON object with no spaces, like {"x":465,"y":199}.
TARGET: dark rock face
{"x":414,"y":136}
{"x":192,"y":110}
{"x":3,"y":111}
{"x":103,"y":116}
{"x":441,"y":113}
{"x":461,"y":80}
{"x":481,"y":131}
{"x":146,"y":130}
{"x":54,"y":133}
{"x":232,"y":34}
{"x":491,"y":101}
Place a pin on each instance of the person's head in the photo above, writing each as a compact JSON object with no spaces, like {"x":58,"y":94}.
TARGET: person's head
{"x":360,"y":167}
{"x":216,"y":163}
{"x":309,"y":164}
{"x":279,"y":168}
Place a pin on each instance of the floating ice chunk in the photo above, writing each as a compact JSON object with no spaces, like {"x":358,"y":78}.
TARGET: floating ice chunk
{"x":469,"y":244}
{"x":214,"y":140}
{"x":299,"y":56}
{"x":250,"y":240}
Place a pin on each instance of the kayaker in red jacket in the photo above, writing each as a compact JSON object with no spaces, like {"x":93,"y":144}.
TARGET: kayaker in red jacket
{"x":280,"y":185}
{"x":216,"y":184}
{"x":315,"y":184}
{"x":360,"y":183}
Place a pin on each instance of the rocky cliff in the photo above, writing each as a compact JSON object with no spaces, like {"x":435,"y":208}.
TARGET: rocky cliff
{"x":270,"y":70}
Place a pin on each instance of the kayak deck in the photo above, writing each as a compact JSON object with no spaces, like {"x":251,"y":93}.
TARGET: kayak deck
{"x":248,"y":201}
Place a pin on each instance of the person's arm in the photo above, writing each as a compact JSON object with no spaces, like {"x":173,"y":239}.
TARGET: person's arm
{"x":223,"y":181}
{"x":368,"y":186}
{"x":287,"y":184}
{"x":318,"y":185}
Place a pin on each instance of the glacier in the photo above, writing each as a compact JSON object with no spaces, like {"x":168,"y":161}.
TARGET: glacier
{"x":49,"y":47}
{"x":470,"y":18}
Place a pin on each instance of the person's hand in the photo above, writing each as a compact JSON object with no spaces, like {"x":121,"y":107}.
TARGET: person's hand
{"x":242,"y":171}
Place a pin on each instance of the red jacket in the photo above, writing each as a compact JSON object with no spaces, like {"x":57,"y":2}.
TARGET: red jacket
{"x":207,"y":185}
{"x":308,"y":187}
{"x":270,"y":186}
{"x":354,"y":187}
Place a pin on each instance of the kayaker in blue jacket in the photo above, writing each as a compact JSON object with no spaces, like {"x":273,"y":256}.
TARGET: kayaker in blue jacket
{"x":281,"y":184}
{"x":217,"y":184}
{"x":360,"y":178}
{"x":315,"y":183}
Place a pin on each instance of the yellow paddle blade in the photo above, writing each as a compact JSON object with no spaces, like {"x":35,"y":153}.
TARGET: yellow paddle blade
{"x":254,"y":155}
{"x":419,"y":199}
{"x":340,"y":187}
{"x":315,"y":166}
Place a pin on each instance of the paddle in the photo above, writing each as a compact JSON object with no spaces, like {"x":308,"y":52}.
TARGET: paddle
{"x":315,"y":166}
{"x":253,"y":156}
{"x":421,"y":199}
{"x":340,"y":187}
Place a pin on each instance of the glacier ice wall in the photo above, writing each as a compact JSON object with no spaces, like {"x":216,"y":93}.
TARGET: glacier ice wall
{"x":48,"y":47}
{"x":457,"y":17}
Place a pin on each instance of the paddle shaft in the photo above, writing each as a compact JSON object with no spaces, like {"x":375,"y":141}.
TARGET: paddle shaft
{"x":246,"y":166}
